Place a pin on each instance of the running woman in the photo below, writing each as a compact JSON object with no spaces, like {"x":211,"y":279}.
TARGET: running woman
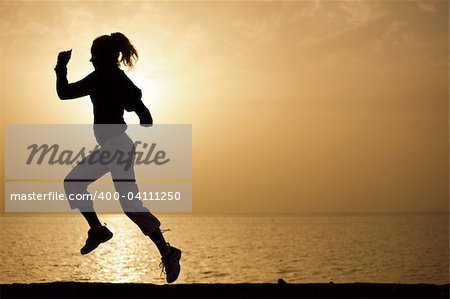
{"x":112,"y":92}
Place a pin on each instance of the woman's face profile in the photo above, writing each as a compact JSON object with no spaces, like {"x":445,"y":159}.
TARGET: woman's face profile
{"x":103,"y":53}
{"x":94,"y":59}
{"x":98,"y":58}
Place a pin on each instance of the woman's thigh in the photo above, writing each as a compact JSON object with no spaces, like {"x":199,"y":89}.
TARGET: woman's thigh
{"x":121,"y":154}
{"x":89,"y":169}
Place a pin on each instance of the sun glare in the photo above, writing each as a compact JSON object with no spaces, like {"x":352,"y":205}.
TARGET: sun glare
{"x":153,"y":90}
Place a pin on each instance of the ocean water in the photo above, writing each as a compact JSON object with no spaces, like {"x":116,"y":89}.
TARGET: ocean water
{"x":227,"y":249}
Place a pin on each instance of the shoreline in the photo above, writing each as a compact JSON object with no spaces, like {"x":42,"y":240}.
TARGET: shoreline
{"x":217,"y":290}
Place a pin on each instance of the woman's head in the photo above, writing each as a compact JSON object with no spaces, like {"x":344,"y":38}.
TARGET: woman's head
{"x":108,"y":50}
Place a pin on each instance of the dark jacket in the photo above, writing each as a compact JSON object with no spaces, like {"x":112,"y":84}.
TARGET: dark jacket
{"x":111,"y":93}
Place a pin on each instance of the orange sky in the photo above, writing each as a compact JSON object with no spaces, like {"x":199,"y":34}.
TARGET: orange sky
{"x":311,"y":106}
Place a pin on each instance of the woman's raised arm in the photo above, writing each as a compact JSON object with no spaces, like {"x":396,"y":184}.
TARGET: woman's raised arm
{"x":65,"y":89}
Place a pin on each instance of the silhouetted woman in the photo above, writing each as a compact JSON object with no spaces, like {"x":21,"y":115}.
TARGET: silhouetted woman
{"x":111,"y":93}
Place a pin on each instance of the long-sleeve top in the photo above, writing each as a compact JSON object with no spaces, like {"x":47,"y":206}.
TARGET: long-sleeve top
{"x":111,"y":92}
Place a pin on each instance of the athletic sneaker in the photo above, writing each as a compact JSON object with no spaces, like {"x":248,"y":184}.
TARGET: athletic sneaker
{"x":96,"y":236}
{"x":171,"y":264}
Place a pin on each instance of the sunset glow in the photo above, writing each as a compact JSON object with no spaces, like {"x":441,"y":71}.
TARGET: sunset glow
{"x":308,"y":106}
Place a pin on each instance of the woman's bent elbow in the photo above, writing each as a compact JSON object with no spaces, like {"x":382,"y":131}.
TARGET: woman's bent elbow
{"x":63,"y":96}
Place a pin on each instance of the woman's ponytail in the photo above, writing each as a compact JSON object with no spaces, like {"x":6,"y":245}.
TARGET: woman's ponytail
{"x":128,"y":53}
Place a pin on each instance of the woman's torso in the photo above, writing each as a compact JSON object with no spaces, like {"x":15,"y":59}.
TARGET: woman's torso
{"x":109,"y":93}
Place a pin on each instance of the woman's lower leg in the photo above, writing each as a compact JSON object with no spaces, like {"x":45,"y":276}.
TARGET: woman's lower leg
{"x":160,"y":242}
{"x":91,"y":217}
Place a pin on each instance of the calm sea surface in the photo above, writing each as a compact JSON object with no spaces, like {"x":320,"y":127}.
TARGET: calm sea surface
{"x":402,"y":249}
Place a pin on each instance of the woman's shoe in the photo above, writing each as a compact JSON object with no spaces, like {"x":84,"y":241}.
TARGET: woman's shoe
{"x":96,"y":236}
{"x":171,"y":264}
